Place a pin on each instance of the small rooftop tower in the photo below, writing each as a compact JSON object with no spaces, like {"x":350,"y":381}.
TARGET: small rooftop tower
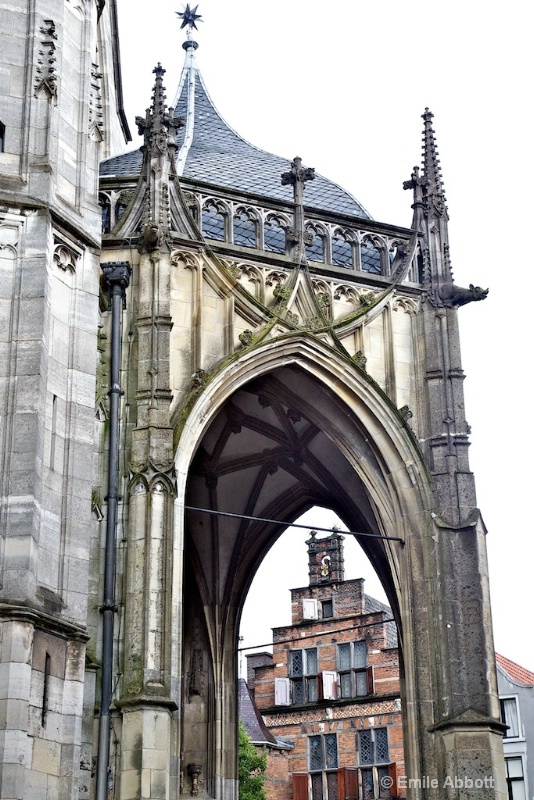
{"x":326,"y":563}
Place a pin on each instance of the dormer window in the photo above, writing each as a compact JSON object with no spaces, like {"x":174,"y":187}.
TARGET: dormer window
{"x":245,"y":228}
{"x":214,"y":221}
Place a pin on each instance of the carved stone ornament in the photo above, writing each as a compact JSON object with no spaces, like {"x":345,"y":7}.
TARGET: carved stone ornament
{"x":246,"y":338}
{"x":45,"y":68}
{"x":194,"y":770}
{"x":360,"y":360}
{"x":65,"y":257}
{"x":453,"y":296}
{"x":405,"y":413}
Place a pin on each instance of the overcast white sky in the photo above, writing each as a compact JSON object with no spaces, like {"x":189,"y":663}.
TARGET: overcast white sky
{"x":344,"y":85}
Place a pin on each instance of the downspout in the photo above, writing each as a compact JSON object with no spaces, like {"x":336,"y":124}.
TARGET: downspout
{"x":117,"y":278}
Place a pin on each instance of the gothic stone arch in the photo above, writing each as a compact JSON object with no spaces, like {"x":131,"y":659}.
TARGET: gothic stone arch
{"x":283,"y":429}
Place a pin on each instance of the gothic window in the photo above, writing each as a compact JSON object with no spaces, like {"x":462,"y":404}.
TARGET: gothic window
{"x":371,"y":257}
{"x":245,"y":228}
{"x":316,"y":249}
{"x":214,"y":221}
{"x":515,"y":778}
{"x":392,"y":252}
{"x":2,"y":137}
{"x":355,"y":676}
{"x":105,"y":206}
{"x":342,"y":252}
{"x":303,"y":675}
{"x":510,"y":717}
{"x":274,"y":235}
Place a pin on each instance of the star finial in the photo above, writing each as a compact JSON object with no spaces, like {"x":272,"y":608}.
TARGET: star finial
{"x":189,"y":17}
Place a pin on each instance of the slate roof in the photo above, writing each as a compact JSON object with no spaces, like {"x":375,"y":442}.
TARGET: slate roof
{"x":372,"y":606}
{"x":218,"y":155}
{"x":517,"y":673}
{"x":253,"y":721}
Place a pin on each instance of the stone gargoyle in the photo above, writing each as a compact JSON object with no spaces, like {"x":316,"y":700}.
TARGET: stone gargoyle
{"x":454,"y":296}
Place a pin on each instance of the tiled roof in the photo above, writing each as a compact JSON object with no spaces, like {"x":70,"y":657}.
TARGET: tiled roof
{"x":219,"y":156}
{"x":515,"y":671}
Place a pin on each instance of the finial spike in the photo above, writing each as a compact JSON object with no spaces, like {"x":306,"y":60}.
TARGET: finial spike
{"x":435,"y":192}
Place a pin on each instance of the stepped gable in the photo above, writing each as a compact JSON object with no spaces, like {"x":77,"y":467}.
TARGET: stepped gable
{"x":215,"y":154}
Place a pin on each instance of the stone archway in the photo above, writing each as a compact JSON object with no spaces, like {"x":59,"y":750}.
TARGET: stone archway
{"x":286,"y":428}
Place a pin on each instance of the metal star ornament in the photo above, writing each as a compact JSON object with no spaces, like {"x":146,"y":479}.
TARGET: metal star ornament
{"x":189,"y":16}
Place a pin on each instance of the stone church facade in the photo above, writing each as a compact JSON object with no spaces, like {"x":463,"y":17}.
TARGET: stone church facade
{"x":242,"y":343}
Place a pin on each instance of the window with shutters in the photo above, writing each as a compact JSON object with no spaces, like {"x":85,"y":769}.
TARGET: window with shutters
{"x":510,"y":717}
{"x":327,"y":608}
{"x":355,"y":676}
{"x":303,"y":675}
{"x":310,"y":608}
{"x":323,"y":763}
{"x":377,"y":775}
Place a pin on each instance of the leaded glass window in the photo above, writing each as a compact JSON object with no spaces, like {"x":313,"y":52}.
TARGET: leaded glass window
{"x":352,"y":669}
{"x":317,"y":786}
{"x":213,"y":221}
{"x":330,"y":746}
{"x":323,"y":751}
{"x":296,"y":663}
{"x":384,"y":782}
{"x":368,"y":785}
{"x":371,"y":257}
{"x":342,"y":254}
{"x":245,"y":228}
{"x":365,"y":747}
{"x":373,"y":746}
{"x":274,"y":235}
{"x":381,"y":746}
{"x":316,"y":752}
{"x":323,"y":764}
{"x":303,"y":674}
{"x":331,"y":780}
{"x":315,"y":250}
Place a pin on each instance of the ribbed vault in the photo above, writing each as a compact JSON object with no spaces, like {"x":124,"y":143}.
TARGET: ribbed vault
{"x":271,"y":452}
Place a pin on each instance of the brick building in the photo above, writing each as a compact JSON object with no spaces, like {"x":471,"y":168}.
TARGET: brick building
{"x":331,"y":687}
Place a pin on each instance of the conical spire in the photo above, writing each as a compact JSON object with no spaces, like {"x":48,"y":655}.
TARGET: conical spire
{"x":434,"y":193}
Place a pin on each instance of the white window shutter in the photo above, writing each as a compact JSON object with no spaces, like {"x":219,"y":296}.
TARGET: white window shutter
{"x":329,"y":685}
{"x":310,"y":608}
{"x":281,"y":692}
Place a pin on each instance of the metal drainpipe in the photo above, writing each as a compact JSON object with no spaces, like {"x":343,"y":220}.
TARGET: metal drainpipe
{"x":117,"y":277}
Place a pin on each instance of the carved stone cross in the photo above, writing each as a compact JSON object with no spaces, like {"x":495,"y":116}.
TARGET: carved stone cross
{"x":297,"y":177}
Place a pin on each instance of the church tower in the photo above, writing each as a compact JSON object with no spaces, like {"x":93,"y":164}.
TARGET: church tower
{"x":60,"y":114}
